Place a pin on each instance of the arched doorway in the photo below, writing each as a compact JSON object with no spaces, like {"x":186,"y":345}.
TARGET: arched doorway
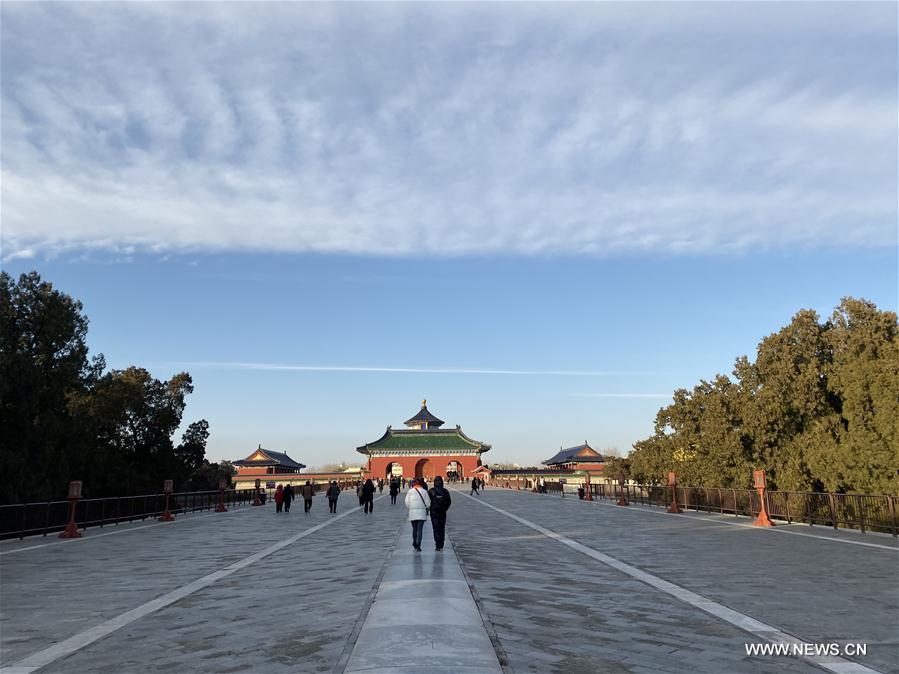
{"x":424,"y":468}
{"x":454,"y":471}
{"x":393,"y":469}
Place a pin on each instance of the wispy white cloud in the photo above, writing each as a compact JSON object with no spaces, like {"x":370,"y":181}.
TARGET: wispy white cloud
{"x":20,"y":254}
{"x":399,"y":129}
{"x":282,"y":367}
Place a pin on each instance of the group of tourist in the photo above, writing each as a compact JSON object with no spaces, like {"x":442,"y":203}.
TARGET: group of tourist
{"x":366,"y":494}
{"x":476,"y":484}
{"x":421,"y":502}
{"x":284,"y":497}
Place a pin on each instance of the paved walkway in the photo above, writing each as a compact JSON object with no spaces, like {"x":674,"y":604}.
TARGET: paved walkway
{"x":424,"y":617}
{"x":817,"y":590}
{"x":544,"y":585}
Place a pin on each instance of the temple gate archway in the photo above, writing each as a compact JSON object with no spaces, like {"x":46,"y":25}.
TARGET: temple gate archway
{"x":454,"y":471}
{"x":424,"y":468}
{"x":423,"y":449}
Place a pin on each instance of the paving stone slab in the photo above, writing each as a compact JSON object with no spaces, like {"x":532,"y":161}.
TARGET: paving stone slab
{"x":552,"y":608}
{"x":602,"y":621}
{"x":820,"y":590}
{"x":423,"y":617}
{"x":292,"y":612}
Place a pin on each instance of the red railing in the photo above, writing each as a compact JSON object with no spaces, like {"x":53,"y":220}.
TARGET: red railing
{"x":873,"y":512}
{"x":30,"y":519}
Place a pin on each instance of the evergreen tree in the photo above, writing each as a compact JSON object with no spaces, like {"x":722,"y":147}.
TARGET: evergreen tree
{"x":43,"y":361}
{"x":863,"y":452}
{"x":63,"y":417}
{"x":818,"y":409}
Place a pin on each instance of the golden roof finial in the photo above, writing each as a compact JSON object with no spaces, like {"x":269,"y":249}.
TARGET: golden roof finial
{"x":424,"y":402}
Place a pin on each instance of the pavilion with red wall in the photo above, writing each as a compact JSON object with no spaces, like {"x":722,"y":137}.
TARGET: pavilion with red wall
{"x":422,"y":449}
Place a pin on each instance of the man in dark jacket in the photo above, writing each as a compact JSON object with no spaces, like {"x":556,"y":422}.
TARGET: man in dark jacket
{"x":333,"y":492}
{"x":394,"y":490}
{"x":287,"y":498}
{"x":440,"y":503}
{"x":368,"y":496}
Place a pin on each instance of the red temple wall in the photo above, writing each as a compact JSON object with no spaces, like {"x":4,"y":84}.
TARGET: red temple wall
{"x":433,"y":465}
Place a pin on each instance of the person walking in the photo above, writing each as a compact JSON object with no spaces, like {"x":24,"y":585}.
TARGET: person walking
{"x":440,"y":503}
{"x":404,"y":483}
{"x":279,"y":498}
{"x":475,"y":483}
{"x":380,"y":486}
{"x":288,"y":497}
{"x":417,"y":503}
{"x":368,"y":496}
{"x":308,"y":491}
{"x":394,"y":490}
{"x":332,"y":493}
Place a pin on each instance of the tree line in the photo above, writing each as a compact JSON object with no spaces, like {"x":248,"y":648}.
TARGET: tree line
{"x":65,"y":415}
{"x":818,"y":409}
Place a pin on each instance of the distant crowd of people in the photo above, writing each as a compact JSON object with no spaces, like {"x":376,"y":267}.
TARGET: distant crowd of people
{"x":422,"y":503}
{"x":284,"y":496}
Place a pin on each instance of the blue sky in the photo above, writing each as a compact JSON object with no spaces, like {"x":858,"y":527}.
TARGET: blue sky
{"x":543,"y":218}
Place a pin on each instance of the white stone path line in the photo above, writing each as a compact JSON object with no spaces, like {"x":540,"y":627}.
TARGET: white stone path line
{"x":423,"y":607}
{"x":755,"y":627}
{"x":77,"y":642}
{"x":123,"y":530}
{"x":720,"y":519}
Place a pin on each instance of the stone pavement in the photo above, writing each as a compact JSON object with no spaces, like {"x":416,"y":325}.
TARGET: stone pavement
{"x":555,"y":610}
{"x":251,"y":590}
{"x":423,"y":612}
{"x":290,"y":612}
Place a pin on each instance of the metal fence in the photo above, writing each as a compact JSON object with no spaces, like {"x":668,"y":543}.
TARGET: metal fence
{"x":850,"y":511}
{"x":29,"y":519}
{"x":530,"y":484}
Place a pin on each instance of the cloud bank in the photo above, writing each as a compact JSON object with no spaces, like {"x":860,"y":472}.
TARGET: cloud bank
{"x":398,"y":129}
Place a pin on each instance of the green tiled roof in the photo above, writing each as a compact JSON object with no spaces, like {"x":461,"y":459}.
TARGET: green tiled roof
{"x":406,"y":440}
{"x":423,"y":441}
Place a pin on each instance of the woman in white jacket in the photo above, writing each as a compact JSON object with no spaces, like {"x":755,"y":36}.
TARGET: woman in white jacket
{"x":417,"y":503}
